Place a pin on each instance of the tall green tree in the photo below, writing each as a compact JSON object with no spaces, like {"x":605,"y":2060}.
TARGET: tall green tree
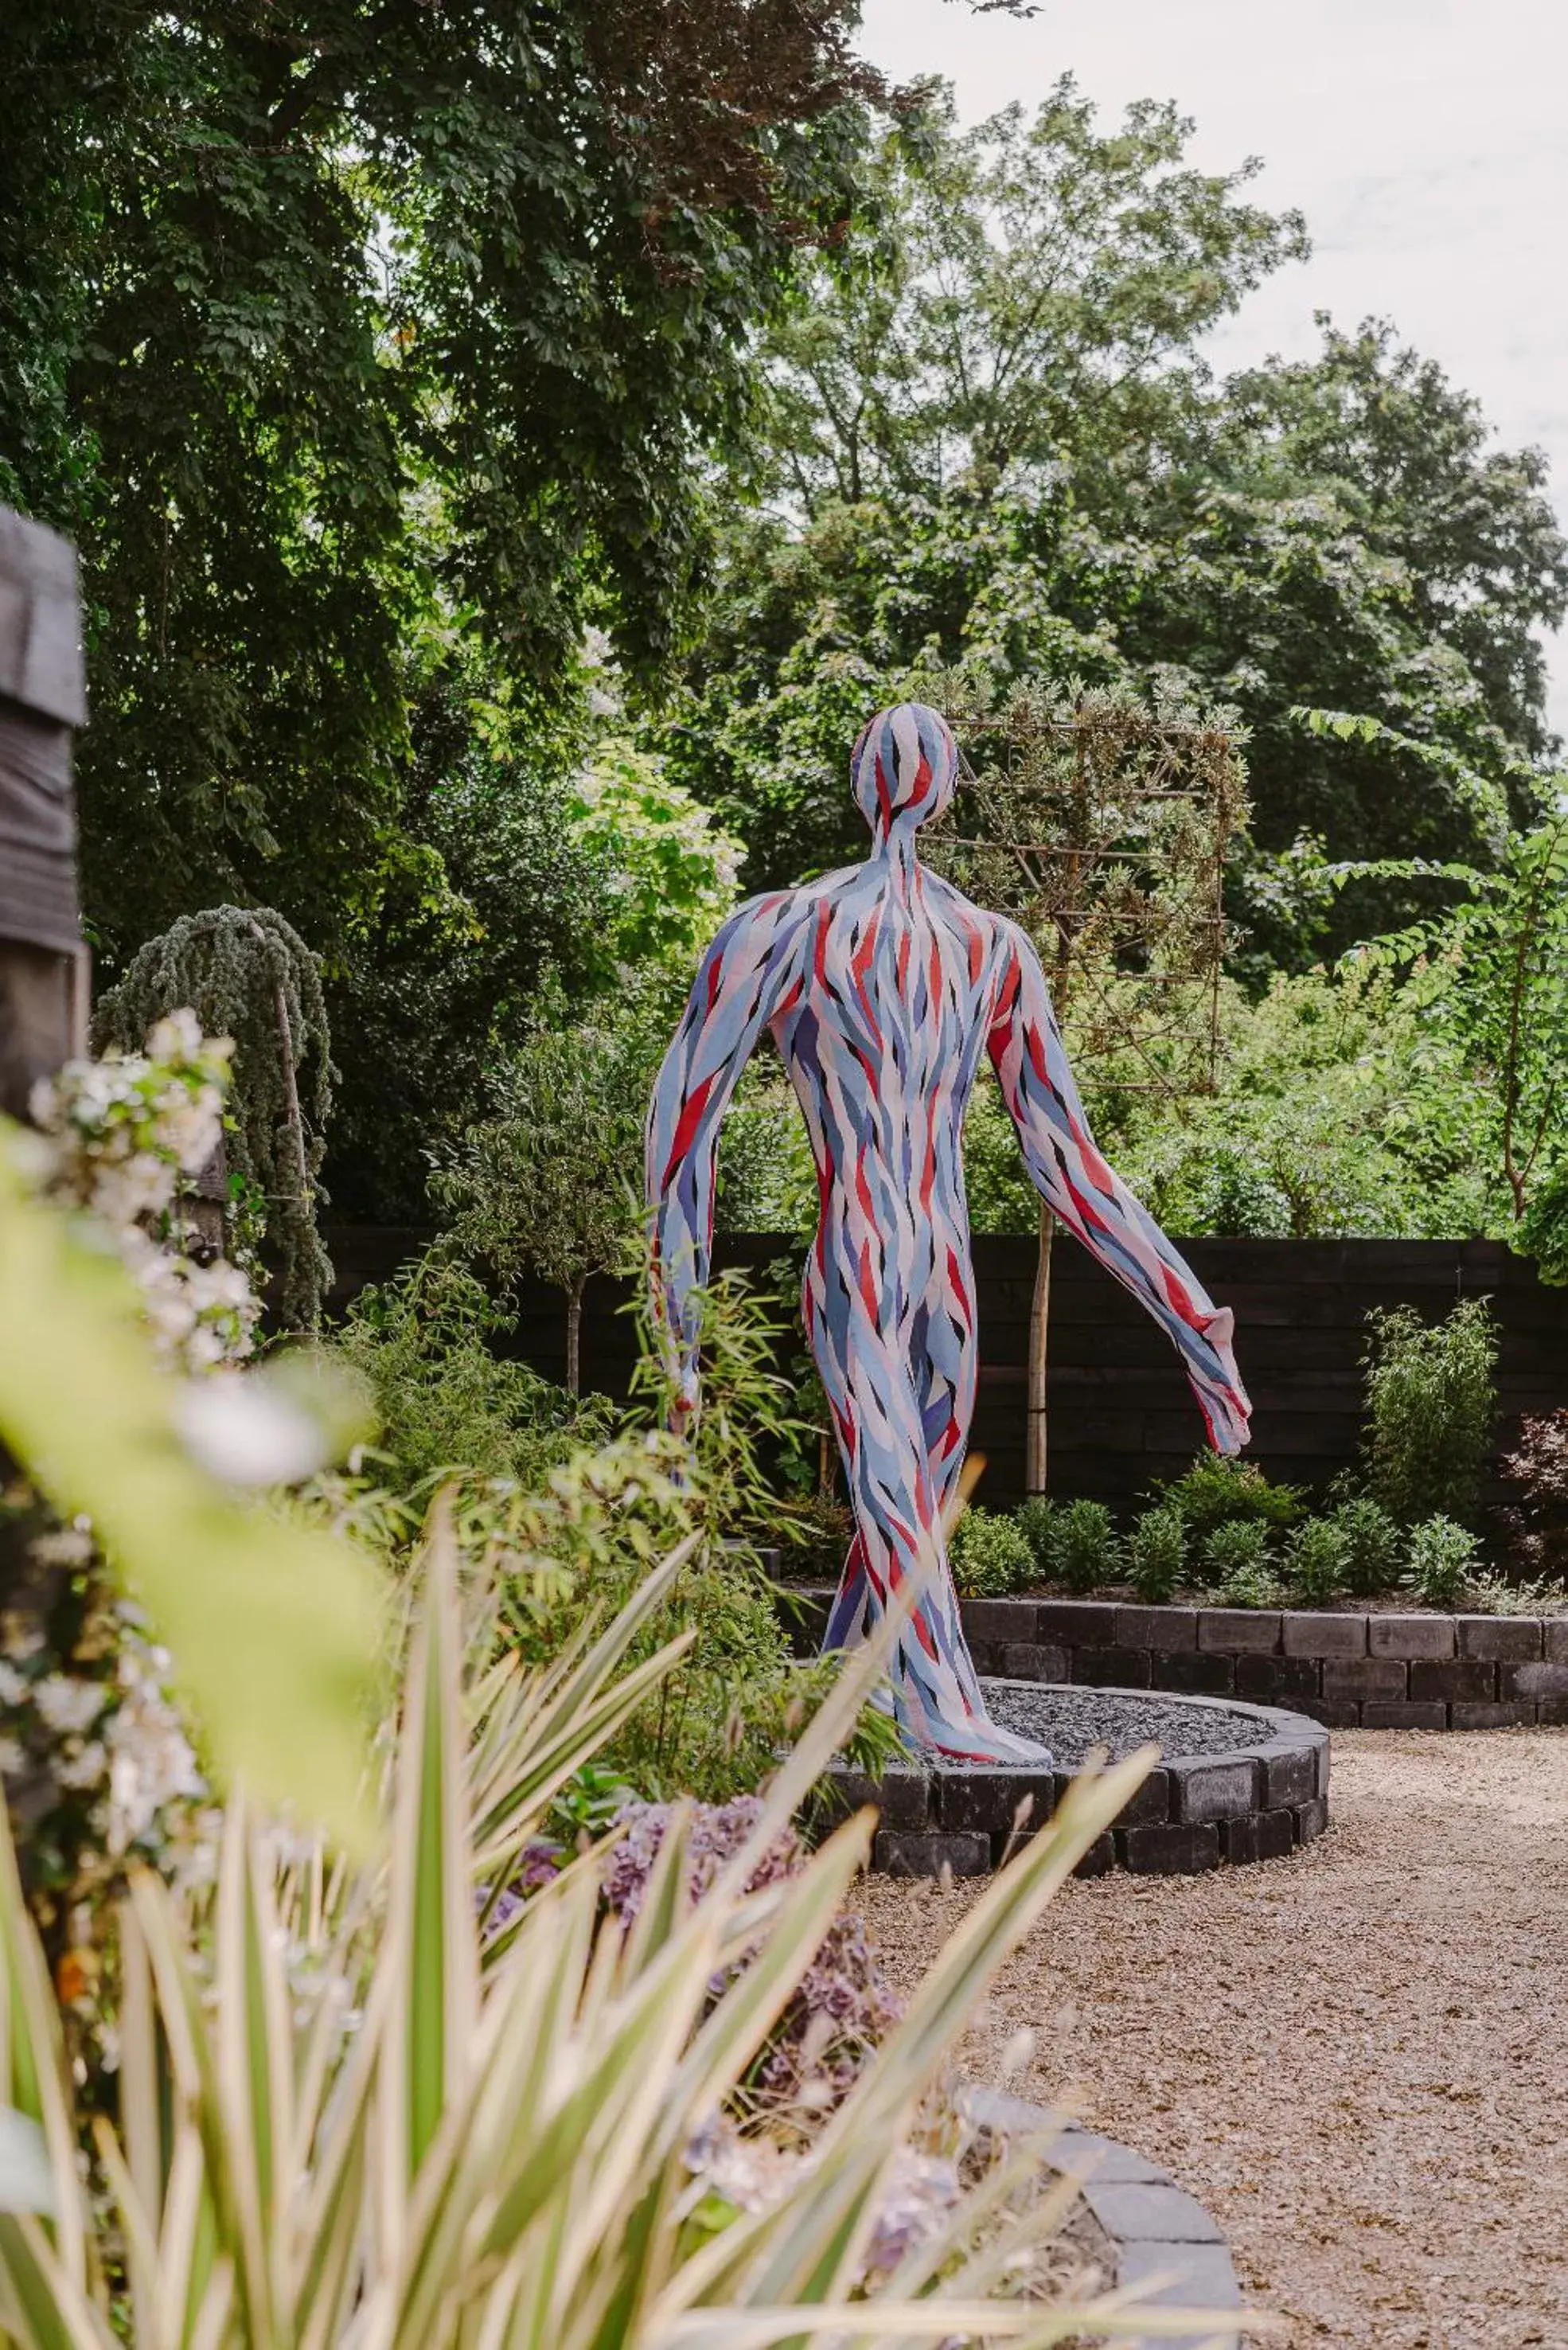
{"x":321,"y":316}
{"x":996,"y":446}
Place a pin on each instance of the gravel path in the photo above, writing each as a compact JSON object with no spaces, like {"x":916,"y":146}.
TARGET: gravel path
{"x":1357,"y":2057}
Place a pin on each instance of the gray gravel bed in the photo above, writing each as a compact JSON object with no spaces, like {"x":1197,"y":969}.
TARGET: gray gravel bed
{"x":1072,"y":1721}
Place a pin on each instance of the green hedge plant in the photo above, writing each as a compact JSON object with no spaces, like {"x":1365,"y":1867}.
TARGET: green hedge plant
{"x":1317,"y":1562}
{"x":1156,"y":1554}
{"x":1236,"y":1561}
{"x":1443,"y":1555}
{"x":1036,"y":1521}
{"x":1217,"y":1492}
{"x":1431,"y":1405}
{"x":1085,"y":1551}
{"x":1374,"y":1547}
{"x":989,"y":1555}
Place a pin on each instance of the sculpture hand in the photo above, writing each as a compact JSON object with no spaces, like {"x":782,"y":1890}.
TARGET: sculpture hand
{"x":1226,"y":1407}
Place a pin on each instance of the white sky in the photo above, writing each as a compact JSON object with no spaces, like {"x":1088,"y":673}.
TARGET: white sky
{"x":1423,"y":140}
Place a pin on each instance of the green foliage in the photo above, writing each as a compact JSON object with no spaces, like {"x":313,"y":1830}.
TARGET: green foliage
{"x":1440,"y":1560}
{"x":673,"y":869}
{"x":1157,"y":1554}
{"x":1431,"y":1405}
{"x":1373,"y":1546}
{"x":989,"y":1555}
{"x":247,"y":976}
{"x":1036,"y":1521}
{"x":550,"y":1183}
{"x":994,"y":446}
{"x":1317,"y":1562}
{"x":322,"y":344}
{"x":444,"y":1400}
{"x":1236,"y":1560}
{"x":1218,"y":1491}
{"x":1085,"y":1551}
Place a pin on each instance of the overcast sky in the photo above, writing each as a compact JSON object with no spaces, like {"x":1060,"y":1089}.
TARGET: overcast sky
{"x":1423,"y":140}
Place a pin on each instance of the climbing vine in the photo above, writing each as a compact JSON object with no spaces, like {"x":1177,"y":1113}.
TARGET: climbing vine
{"x":247,"y":974}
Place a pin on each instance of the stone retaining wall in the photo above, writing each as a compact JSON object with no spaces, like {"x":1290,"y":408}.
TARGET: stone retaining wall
{"x":1348,"y":1671}
{"x":1192,"y":1812}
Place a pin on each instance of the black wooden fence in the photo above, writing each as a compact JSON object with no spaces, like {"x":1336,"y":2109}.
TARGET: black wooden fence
{"x":1121,"y":1413}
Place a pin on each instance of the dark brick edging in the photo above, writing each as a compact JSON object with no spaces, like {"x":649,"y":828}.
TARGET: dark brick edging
{"x":1348,"y":1671}
{"x":1158,"y":2230}
{"x":1194,"y":1811}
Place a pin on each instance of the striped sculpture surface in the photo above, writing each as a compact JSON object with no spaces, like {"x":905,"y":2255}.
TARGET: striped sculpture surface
{"x":880,"y":986}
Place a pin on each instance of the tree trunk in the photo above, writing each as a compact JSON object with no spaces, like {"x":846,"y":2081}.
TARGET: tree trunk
{"x":1039,"y":1332}
{"x":575,"y":1336}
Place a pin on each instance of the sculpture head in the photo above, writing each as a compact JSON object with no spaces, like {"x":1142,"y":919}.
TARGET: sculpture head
{"x":904,"y":766}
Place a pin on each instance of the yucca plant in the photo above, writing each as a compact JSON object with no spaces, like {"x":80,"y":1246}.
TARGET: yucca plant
{"x":353,"y":2119}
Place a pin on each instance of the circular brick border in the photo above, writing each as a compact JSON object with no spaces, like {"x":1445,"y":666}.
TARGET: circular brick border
{"x":1192,"y":1812}
{"x":1157,"y":2231}
{"x":1349,"y":1671}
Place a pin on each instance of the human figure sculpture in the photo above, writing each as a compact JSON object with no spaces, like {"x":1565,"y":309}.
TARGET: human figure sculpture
{"x":880,"y":986}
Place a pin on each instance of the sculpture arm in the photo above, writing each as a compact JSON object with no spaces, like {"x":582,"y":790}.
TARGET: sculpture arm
{"x":1031,"y":1064}
{"x":741,"y":982}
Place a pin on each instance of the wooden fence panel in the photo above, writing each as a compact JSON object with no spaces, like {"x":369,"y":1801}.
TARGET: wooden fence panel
{"x":1121,"y":1413}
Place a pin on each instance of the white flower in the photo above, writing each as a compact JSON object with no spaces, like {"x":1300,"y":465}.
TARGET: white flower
{"x":176,"y":1037}
{"x":247,"y":1432}
{"x":68,"y":1705}
{"x":83,"y":1770}
{"x":13,"y":1759}
{"x":13,"y":1687}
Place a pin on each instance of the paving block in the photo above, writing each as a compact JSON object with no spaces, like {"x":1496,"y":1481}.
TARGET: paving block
{"x":1239,"y":1631}
{"x":1289,"y":1773}
{"x":1028,"y":1660}
{"x":1200,"y":2276}
{"x":1218,"y":1787}
{"x":1431,"y":1714}
{"x":1541,"y":1680}
{"x":1110,"y":1667}
{"x":1277,"y":1680}
{"x":1552,"y":1713}
{"x":998,"y":1619}
{"x":1076,"y":1623}
{"x":1195,"y":1676}
{"x":1324,"y":1763}
{"x":903,"y":1798}
{"x":1555,"y":1640}
{"x":1277,"y":1833}
{"x":1149,"y":1802}
{"x":1181,"y":1848}
{"x":1087,"y":2155}
{"x":1510,"y":1713}
{"x":1151,"y":2212}
{"x":906,"y":1851}
{"x":1385,"y":1678}
{"x":1167,"y":1630}
{"x":1473,"y":1677}
{"x":1509,"y":1639}
{"x":1304,"y":1632}
{"x":1101,"y":1857}
{"x":1334,"y":1713}
{"x":1311,"y":1819}
{"x":982,"y":1801}
{"x":1410,"y":1636}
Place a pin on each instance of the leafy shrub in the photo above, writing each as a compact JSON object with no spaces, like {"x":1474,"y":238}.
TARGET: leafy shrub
{"x":1085,"y":1551}
{"x":1157,"y":1554}
{"x":1236,"y":1558}
{"x":1374,"y":1547}
{"x":1535,"y":1520}
{"x":1431,"y":1401}
{"x":1036,"y":1521}
{"x":1317,"y":1562}
{"x":989,"y":1555}
{"x":817,"y":1533}
{"x":445,"y":1401}
{"x":1495,"y":1595}
{"x":1217,"y":1492}
{"x":1441,"y":1560}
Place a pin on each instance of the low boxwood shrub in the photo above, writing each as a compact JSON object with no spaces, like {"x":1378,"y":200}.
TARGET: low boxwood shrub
{"x":1236,"y":1561}
{"x":1218,"y":1492}
{"x":1441,"y":1559}
{"x":1156,"y":1554}
{"x":1085,"y":1551}
{"x":1374,"y":1547}
{"x":989,"y":1555}
{"x":1317,"y":1562}
{"x":1036,"y":1521}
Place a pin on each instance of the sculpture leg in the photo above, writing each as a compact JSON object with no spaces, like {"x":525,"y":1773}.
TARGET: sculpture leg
{"x":901,"y":1415}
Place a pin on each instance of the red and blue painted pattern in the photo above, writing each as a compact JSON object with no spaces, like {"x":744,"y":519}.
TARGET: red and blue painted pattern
{"x":881,"y":986}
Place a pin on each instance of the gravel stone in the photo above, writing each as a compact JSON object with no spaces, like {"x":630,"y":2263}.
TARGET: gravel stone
{"x":1070,"y":1721}
{"x":1355,"y":2058}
